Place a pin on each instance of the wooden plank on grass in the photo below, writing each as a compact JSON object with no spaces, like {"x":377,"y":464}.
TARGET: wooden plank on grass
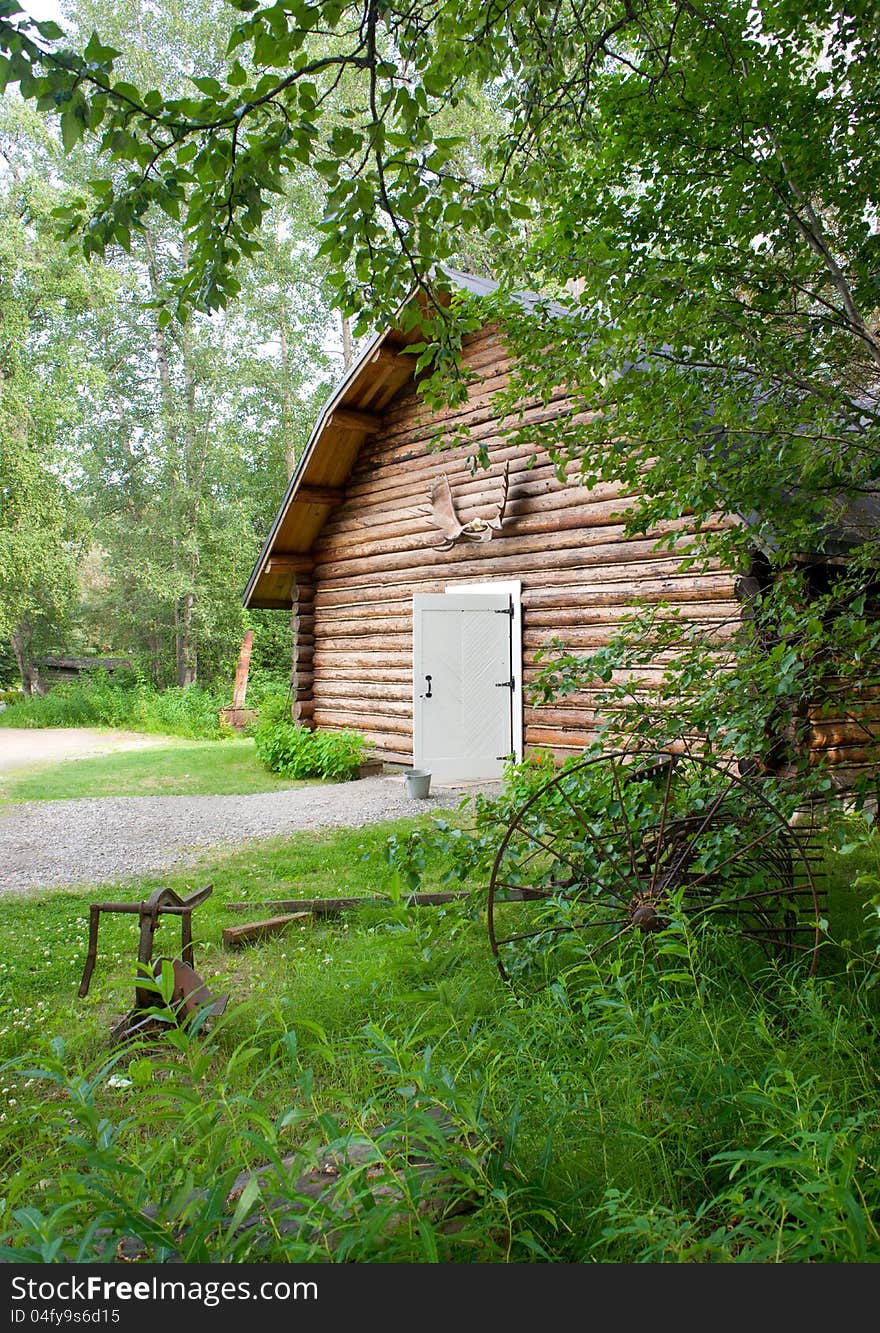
{"x":328,"y":906}
{"x":235,"y":937}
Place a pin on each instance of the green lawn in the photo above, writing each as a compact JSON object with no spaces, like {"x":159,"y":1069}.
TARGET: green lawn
{"x":180,"y":768}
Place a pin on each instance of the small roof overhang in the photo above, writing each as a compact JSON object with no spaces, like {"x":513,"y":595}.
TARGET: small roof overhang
{"x":351,"y":414}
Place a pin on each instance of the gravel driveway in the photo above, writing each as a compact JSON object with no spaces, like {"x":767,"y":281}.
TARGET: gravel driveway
{"x":49,"y":843}
{"x":25,"y":746}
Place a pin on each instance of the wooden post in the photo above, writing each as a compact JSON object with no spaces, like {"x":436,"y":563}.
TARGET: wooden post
{"x":241,"y":672}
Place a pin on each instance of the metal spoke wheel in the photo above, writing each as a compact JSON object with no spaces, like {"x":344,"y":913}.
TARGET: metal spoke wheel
{"x":616,"y":848}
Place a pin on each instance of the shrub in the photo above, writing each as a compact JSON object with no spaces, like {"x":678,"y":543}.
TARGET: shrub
{"x":295,"y":752}
{"x":285,"y":749}
{"x":123,"y":700}
{"x":273,"y":707}
{"x":338,"y":754}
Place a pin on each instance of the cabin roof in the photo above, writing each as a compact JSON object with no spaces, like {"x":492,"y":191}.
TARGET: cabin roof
{"x":352,"y":413}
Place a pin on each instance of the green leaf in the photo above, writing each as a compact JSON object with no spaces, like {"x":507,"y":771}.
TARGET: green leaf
{"x":96,"y":53}
{"x":72,"y":128}
{"x":208,"y":86}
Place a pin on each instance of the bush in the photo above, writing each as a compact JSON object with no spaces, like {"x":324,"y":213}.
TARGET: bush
{"x":295,"y":752}
{"x":273,"y":706}
{"x":338,"y":754}
{"x":285,"y":749}
{"x":124,"y":700}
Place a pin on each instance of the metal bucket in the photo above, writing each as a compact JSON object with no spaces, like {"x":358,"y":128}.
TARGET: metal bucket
{"x":418,"y":783}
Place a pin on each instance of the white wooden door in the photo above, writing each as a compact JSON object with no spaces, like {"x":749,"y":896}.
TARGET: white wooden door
{"x":462,"y":685}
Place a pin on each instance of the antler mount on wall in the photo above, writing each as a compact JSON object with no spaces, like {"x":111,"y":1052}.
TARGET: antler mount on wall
{"x":443,"y":514}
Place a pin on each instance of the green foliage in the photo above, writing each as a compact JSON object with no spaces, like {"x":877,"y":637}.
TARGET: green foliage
{"x":338,"y":754}
{"x":44,"y":290}
{"x":286,"y":748}
{"x":272,"y":698}
{"x":122,"y":700}
{"x":297,"y":752}
{"x":676,"y":1109}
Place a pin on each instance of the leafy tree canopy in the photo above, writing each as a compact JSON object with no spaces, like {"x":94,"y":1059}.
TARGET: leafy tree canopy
{"x":707,"y":172}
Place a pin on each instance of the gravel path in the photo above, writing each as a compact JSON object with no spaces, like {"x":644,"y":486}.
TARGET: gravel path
{"x":24,"y":747}
{"x":51,"y":843}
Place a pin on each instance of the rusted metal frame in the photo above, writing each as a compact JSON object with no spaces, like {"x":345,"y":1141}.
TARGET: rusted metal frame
{"x":160,"y":903}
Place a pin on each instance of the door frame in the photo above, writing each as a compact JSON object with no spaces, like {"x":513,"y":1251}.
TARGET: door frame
{"x":511,"y":588}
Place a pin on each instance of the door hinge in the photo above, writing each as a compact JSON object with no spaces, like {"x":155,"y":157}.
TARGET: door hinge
{"x":508,"y":611}
{"x":506,"y":684}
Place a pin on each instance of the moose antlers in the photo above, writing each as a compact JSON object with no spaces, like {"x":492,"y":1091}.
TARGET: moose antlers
{"x":443,"y":515}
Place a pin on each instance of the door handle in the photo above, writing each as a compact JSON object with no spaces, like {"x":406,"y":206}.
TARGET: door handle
{"x":427,"y":694}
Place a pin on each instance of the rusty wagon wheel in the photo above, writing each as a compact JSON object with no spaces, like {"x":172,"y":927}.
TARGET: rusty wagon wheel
{"x":614,"y":849}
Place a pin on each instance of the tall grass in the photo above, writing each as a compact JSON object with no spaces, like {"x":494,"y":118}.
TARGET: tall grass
{"x":672,"y":1107}
{"x":127,"y":700}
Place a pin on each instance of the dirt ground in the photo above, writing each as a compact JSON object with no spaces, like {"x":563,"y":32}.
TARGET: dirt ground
{"x":24,"y":747}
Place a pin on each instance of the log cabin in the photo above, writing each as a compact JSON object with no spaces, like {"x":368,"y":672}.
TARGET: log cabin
{"x":422,"y":590}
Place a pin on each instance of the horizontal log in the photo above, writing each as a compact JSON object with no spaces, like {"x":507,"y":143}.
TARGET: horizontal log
{"x":380,"y":690}
{"x":332,"y":906}
{"x":843,"y":734}
{"x":417,"y":418}
{"x":390,"y":748}
{"x":236,"y":937}
{"x":618,"y":612}
{"x":379,"y":624}
{"x":831,"y":712}
{"x":481,"y":423}
{"x":386,"y":707}
{"x":328,"y":662}
{"x":589,"y":630}
{"x":518,"y":525}
{"x":368,"y":510}
{"x":590,"y":637}
{"x":421,"y":537}
{"x":398,"y":679}
{"x":618,"y":592}
{"x":390,"y":483}
{"x":563,"y":737}
{"x":505,"y":560}
{"x":845,"y":754}
{"x":366,"y":721}
{"x":479,"y":415}
{"x":855,"y":688}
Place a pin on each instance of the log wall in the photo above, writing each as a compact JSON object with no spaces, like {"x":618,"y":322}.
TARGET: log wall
{"x":580,"y":575}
